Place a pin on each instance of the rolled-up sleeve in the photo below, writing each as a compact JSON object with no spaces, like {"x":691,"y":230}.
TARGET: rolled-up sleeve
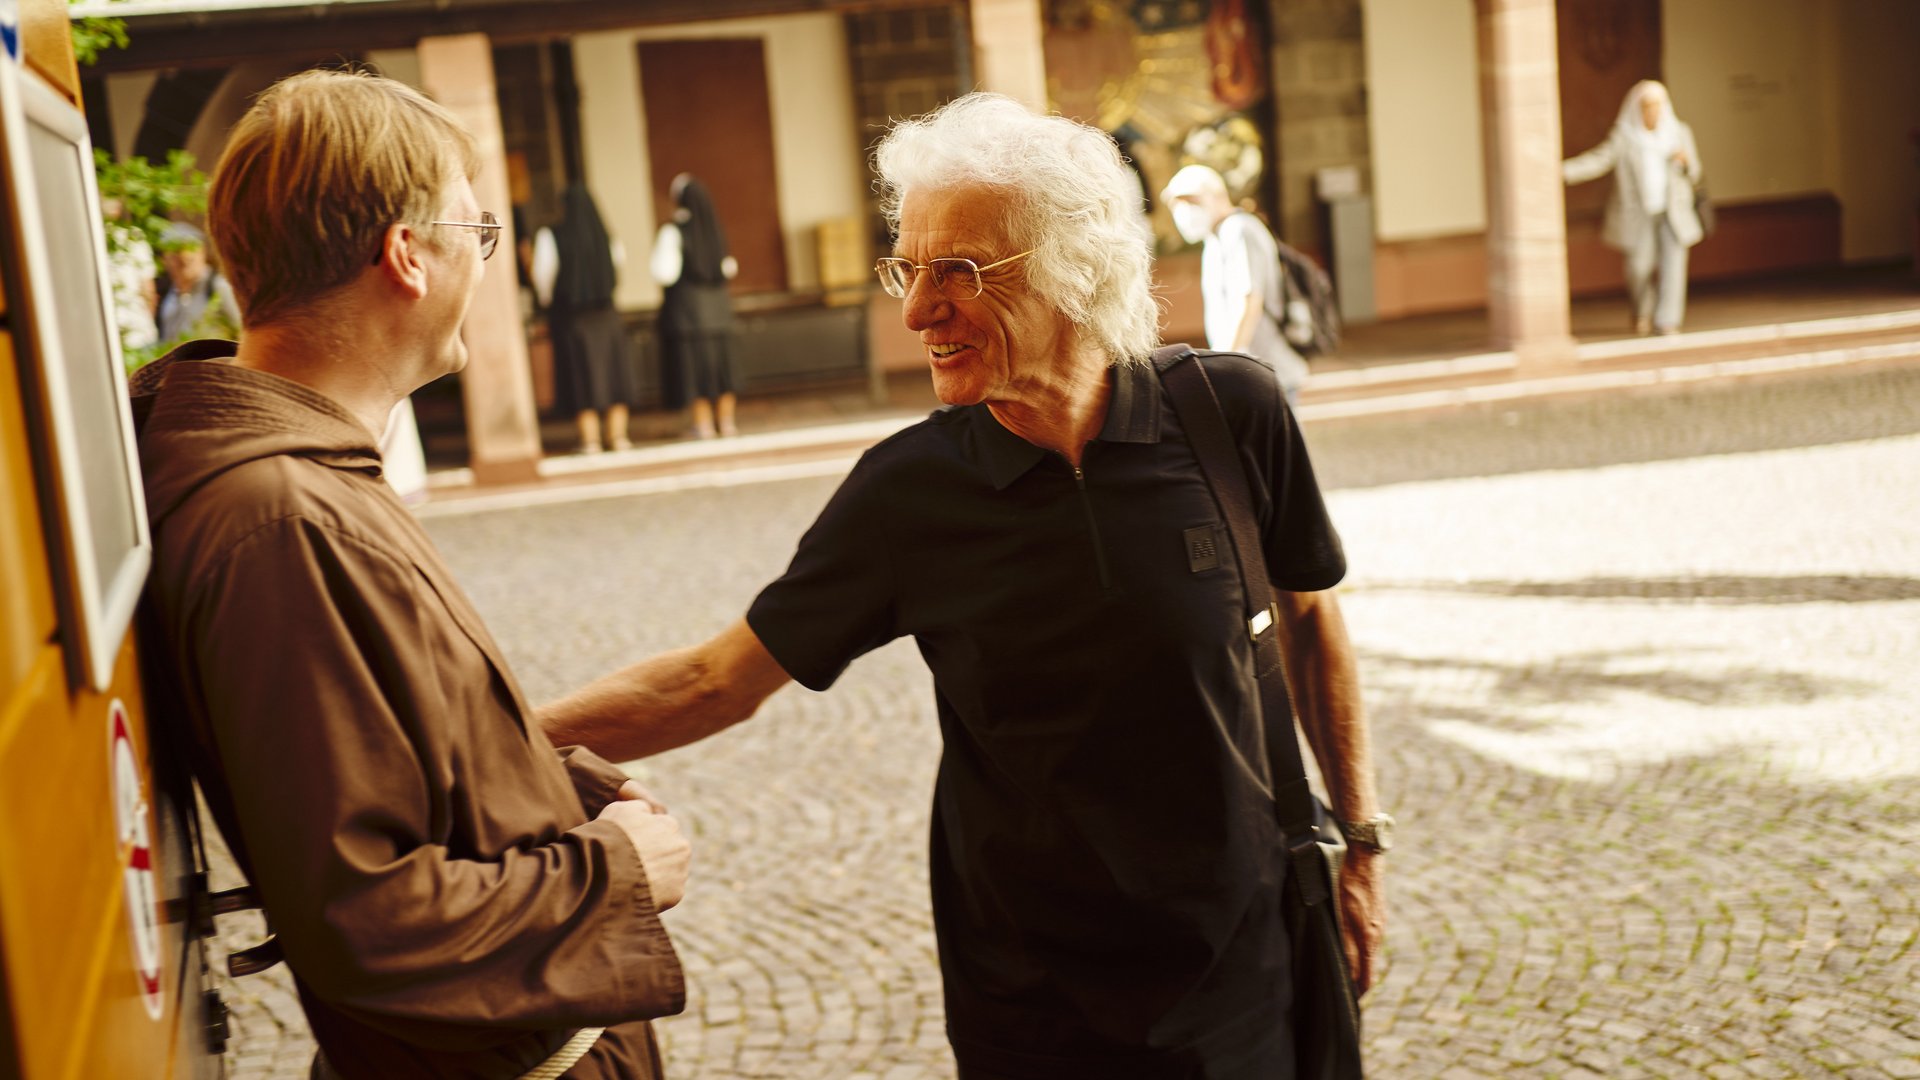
{"x":835,"y":603}
{"x":597,"y":780}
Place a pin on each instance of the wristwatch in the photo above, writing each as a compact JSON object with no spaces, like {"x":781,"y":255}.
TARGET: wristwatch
{"x":1375,"y":834}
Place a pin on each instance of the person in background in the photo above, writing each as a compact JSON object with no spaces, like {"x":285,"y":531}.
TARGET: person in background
{"x":1652,"y":217}
{"x":455,"y":897}
{"x":198,"y":302}
{"x":1242,"y":284}
{"x":575,"y":268}
{"x":691,"y":261}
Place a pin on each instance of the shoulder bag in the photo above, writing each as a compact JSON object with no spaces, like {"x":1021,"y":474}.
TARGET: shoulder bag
{"x":1326,"y":1013}
{"x":1703,"y":208}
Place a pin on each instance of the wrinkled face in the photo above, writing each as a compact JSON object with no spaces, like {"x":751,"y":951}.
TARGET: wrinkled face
{"x":1000,"y":346}
{"x":454,"y":266}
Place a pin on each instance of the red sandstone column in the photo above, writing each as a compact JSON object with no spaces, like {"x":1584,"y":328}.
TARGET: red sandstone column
{"x":503,"y":428}
{"x":1527,"y":298}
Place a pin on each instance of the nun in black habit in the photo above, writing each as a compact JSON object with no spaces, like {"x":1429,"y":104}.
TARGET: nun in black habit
{"x":593,"y":368}
{"x":690,"y":259}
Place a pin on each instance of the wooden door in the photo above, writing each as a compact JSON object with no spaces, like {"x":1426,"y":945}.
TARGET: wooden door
{"x":708,"y":114}
{"x":1605,"y":47}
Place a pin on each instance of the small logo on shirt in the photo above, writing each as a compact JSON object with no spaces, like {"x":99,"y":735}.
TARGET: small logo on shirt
{"x":1203,"y":549}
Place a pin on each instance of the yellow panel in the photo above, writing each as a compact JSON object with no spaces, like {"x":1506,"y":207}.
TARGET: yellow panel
{"x":27,"y":617}
{"x":46,"y":37}
{"x":55,"y":876}
{"x":120,"y":1038}
{"x":68,"y":954}
{"x":66,"y":940}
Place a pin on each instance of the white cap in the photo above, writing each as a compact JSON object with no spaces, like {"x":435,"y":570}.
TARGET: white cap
{"x":181,"y":234}
{"x":1194,"y":180}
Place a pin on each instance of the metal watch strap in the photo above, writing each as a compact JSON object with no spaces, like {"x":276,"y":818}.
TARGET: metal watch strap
{"x":1374,"y":833}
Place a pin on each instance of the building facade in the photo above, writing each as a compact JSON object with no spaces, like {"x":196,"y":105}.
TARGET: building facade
{"x":1445,"y":119}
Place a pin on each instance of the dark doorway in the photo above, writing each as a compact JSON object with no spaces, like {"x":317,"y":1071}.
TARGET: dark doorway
{"x":708,"y":114}
{"x":1605,"y":47}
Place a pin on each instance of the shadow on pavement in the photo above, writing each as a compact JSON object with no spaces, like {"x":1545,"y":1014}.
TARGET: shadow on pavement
{"x":1717,"y":589}
{"x":1598,"y":676}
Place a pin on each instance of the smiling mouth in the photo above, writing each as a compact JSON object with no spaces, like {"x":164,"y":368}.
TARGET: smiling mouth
{"x":941,"y":352}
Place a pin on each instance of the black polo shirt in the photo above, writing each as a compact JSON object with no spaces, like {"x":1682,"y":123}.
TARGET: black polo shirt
{"x":1104,"y":879}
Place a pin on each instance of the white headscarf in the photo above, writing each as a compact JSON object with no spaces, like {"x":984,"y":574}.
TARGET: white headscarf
{"x":1652,"y":148}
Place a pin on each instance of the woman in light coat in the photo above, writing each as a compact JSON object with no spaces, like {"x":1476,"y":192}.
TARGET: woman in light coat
{"x":1651,"y":217}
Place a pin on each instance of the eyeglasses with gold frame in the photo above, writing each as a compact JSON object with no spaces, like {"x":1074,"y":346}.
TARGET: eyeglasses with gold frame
{"x":956,"y":278}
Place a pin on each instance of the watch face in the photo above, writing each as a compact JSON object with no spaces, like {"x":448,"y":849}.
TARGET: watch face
{"x":1375,"y":832}
{"x":1382,"y":829}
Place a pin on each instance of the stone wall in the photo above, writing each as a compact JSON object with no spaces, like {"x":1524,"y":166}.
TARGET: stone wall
{"x":905,"y":62}
{"x":1319,"y":74}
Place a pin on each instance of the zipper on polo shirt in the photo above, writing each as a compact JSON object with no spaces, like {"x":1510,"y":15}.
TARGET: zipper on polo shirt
{"x":1093,"y":527}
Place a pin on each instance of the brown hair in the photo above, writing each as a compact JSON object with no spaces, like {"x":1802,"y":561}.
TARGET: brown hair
{"x":314,"y":174}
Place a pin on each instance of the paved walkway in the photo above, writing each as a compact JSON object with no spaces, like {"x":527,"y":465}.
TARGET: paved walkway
{"x":1640,"y":673}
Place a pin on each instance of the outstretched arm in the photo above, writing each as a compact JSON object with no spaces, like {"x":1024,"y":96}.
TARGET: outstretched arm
{"x":668,"y":700}
{"x":1591,"y":165}
{"x":1326,"y":692}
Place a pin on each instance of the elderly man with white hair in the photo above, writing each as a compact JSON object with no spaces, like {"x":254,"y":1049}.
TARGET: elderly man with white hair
{"x":1106,"y":866}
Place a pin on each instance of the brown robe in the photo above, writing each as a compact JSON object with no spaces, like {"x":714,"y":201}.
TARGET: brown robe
{"x":428,"y":861}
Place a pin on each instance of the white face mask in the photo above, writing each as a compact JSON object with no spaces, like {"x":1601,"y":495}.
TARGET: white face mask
{"x":1192,"y":220}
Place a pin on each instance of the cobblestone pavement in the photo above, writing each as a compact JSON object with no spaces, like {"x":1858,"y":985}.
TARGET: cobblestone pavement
{"x":1640,"y":671}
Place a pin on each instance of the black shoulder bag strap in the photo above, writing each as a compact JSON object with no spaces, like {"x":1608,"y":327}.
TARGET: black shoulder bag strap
{"x":1213,"y":444}
{"x":1326,"y":1014}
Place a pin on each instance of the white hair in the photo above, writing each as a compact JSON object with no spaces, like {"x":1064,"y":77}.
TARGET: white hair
{"x":1070,"y":197}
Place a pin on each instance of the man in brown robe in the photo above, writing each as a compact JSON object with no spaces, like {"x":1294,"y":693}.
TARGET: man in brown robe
{"x":454,"y":897}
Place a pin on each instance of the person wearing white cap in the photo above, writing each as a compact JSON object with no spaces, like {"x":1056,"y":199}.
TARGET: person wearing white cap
{"x":200,"y":303}
{"x":1241,"y":280}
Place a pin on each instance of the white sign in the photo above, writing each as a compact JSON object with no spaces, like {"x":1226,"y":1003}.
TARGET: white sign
{"x":1337,"y":181}
{"x":130,"y":813}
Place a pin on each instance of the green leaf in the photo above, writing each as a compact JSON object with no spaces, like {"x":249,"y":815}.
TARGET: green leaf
{"x":95,"y":34}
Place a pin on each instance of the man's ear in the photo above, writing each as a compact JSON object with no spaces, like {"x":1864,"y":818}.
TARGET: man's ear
{"x":399,"y":260}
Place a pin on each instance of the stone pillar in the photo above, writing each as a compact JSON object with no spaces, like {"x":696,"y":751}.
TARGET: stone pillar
{"x":503,"y":428}
{"x":1007,"y":54}
{"x":1319,"y":74}
{"x":1527,"y":299}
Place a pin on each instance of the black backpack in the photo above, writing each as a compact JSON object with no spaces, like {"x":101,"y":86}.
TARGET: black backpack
{"x":1307,"y":281}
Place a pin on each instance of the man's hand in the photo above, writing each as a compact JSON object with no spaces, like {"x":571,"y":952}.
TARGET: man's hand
{"x":637,"y":792}
{"x":1363,"y":914}
{"x":663,"y":848}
